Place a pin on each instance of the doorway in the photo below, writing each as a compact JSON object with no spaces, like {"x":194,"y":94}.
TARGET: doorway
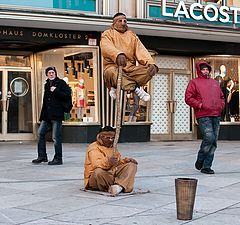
{"x":172,"y":115}
{"x":16,"y":117}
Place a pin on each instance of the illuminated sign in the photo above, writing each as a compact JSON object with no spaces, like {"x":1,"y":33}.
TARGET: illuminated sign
{"x":48,"y":36}
{"x":209,"y":12}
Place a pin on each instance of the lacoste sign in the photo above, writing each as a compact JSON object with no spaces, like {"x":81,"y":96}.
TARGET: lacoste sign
{"x":197,"y":11}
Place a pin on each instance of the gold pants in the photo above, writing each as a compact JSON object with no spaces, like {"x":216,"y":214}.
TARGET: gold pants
{"x":136,"y":76}
{"x":102,"y":179}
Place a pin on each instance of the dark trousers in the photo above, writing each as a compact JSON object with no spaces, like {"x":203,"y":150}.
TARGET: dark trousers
{"x":56,"y":136}
{"x":209,"y":127}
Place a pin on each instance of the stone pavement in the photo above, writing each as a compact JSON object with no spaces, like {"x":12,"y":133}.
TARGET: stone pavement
{"x":43,"y":194}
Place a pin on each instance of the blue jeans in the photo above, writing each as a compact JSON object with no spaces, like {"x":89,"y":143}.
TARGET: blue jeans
{"x":56,"y":136}
{"x":209,"y":127}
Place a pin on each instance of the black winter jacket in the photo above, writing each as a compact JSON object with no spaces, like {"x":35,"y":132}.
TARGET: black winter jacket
{"x":52,"y":108}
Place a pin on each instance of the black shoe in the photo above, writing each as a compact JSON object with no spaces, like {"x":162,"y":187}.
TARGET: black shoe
{"x":56,"y":162}
{"x":198,"y":165}
{"x":39,"y":160}
{"x":207,"y":171}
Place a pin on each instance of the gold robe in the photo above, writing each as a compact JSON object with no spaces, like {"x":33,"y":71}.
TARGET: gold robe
{"x":97,"y":157}
{"x":114,"y":43}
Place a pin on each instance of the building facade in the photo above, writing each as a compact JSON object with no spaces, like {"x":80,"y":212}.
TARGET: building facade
{"x":66,"y":34}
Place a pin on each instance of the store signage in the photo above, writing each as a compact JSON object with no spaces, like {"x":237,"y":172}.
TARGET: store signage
{"x":56,"y":35}
{"x":45,"y":35}
{"x":18,"y":32}
{"x":222,"y":14}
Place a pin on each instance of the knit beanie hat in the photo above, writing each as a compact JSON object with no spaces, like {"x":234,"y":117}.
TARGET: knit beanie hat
{"x":50,"y":68}
{"x":202,"y":66}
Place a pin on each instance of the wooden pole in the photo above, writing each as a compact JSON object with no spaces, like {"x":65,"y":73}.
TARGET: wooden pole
{"x":118,"y":108}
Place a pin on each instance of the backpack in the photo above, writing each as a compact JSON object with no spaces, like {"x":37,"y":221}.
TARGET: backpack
{"x":67,"y":104}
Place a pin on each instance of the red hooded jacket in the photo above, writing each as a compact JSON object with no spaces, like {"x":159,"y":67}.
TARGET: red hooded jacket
{"x":204,"y":94}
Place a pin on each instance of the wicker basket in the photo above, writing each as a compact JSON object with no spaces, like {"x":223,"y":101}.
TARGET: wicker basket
{"x":185,"y":197}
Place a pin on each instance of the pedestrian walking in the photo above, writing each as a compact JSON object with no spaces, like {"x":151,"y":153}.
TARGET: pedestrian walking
{"x":204,"y":95}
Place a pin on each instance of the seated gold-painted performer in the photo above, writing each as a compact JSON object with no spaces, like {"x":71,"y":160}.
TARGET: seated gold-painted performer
{"x":104,"y":169}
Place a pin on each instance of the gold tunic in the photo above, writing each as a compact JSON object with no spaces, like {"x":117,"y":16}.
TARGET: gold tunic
{"x":97,"y":157}
{"x":114,"y":43}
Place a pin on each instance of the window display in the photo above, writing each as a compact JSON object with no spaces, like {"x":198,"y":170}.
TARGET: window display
{"x":226,"y":72}
{"x":78,"y":67}
{"x":136,"y":110}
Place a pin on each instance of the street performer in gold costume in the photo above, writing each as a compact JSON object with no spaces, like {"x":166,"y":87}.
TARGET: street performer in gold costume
{"x":104,"y":169}
{"x":122,"y":47}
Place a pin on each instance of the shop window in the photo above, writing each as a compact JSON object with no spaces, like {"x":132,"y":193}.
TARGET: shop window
{"x":225,"y":70}
{"x":235,"y":3}
{"x":78,"y":72}
{"x":136,"y":110}
{"x":83,"y":5}
{"x":212,"y":1}
{"x":78,"y":67}
{"x":17,"y":61}
{"x":154,"y":11}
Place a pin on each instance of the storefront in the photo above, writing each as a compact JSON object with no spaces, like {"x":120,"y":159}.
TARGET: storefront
{"x":171,"y":118}
{"x":210,"y":32}
{"x":26,"y":52}
{"x":23,"y":60}
{"x":70,"y":42}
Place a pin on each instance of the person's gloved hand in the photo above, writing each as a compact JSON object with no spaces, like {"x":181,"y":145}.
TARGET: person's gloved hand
{"x":113,"y":93}
{"x":126,"y":160}
{"x":113,"y":160}
{"x":121,"y":60}
{"x":152,"y":70}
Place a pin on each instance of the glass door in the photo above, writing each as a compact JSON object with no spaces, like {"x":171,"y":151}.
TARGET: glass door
{"x":16,"y":122}
{"x":171,"y":117}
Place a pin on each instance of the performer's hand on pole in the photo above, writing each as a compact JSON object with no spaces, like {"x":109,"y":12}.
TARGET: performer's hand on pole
{"x":152,"y":70}
{"x":121,"y":60}
{"x":113,"y":161}
{"x":127,"y":160}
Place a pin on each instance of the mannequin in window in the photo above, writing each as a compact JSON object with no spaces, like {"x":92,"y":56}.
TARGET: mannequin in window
{"x":218,"y":78}
{"x":223,"y":71}
{"x":221,"y":77}
{"x":228,"y":88}
{"x":80,"y":98}
{"x":233,"y":102}
{"x":223,"y":80}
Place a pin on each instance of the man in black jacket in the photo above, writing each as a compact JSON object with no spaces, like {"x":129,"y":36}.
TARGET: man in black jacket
{"x":55,"y":92}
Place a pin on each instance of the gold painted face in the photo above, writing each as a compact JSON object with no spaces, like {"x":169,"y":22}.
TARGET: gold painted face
{"x":120,"y":23}
{"x":107,"y":138}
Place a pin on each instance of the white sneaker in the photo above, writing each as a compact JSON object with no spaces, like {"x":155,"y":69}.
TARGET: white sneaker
{"x":113,"y":93}
{"x":142,"y":94}
{"x":115,"y":189}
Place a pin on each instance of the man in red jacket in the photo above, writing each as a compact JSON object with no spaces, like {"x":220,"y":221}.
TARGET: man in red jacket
{"x":205,"y":96}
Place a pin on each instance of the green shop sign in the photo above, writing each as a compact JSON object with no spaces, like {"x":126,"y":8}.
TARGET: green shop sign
{"x":210,"y":13}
